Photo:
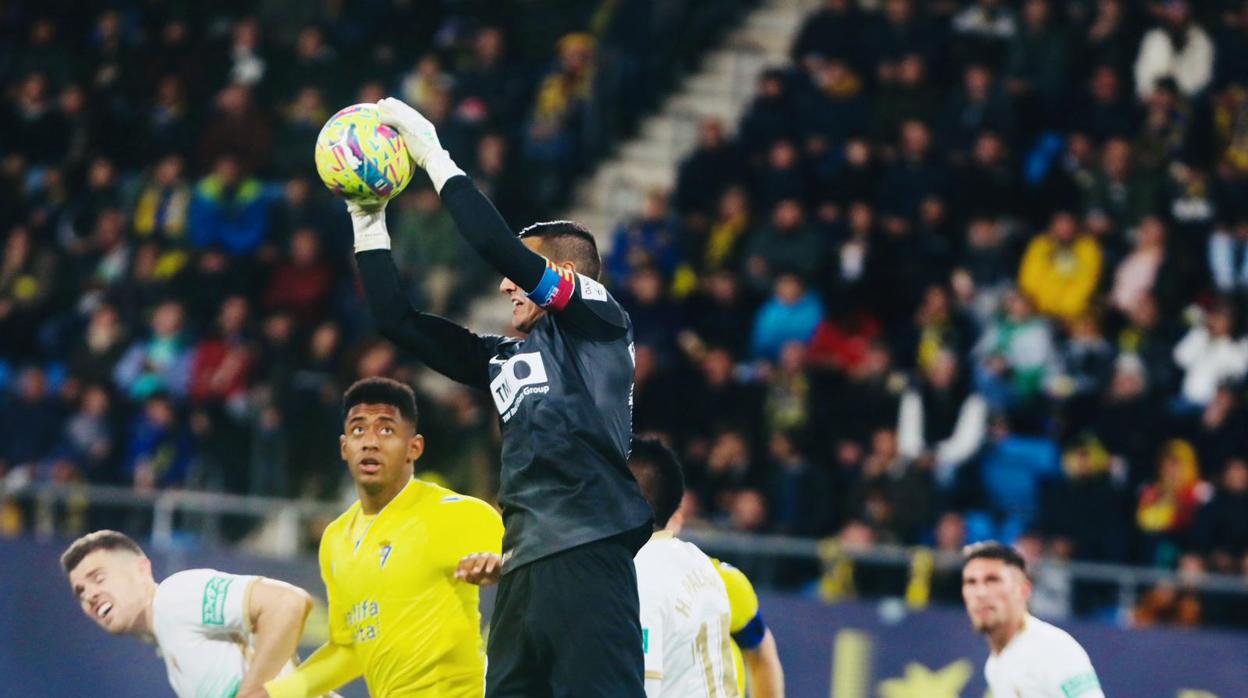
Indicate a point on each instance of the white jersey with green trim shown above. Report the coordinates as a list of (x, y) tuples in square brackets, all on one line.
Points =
[(685, 622), (1042, 661), (203, 631)]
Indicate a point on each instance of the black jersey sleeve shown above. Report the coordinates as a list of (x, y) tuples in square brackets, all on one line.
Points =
[(444, 346), (554, 288)]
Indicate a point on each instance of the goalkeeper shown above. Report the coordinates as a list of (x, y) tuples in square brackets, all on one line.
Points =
[(566, 617)]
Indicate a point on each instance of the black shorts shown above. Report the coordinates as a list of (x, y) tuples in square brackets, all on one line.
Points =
[(569, 625)]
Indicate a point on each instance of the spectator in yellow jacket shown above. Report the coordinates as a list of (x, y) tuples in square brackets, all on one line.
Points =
[(1061, 268)]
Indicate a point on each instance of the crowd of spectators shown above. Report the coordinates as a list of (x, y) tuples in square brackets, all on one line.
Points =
[(971, 266), (178, 301), (963, 269)]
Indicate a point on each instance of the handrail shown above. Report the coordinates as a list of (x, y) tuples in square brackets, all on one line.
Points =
[(165, 503), (728, 542)]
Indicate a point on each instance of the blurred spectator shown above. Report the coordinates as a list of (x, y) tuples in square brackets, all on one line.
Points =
[(1144, 270), (1015, 354), (102, 346), (1179, 49), (1086, 507), (787, 244), (798, 490), (1105, 111), (160, 447), (910, 97), (940, 419), (553, 137), (1228, 258), (1209, 354), (229, 210), (490, 77), (300, 283), (237, 128), (832, 31), (984, 29), (163, 204), (1119, 196), (770, 117), (30, 424), (223, 360), (791, 314), (427, 248), (1015, 469), (1167, 507), (712, 167), (1036, 64), (90, 438), (425, 83), (27, 274), (1109, 38), (160, 362), (1222, 523), (645, 241), (656, 318), (1061, 268), (1172, 604)]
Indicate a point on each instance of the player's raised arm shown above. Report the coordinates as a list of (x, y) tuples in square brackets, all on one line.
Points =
[(444, 346), (554, 280), (276, 611)]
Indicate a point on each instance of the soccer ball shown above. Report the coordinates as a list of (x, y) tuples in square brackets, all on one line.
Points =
[(361, 159)]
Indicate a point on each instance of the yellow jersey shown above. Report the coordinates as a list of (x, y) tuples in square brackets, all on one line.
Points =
[(745, 623), (393, 598)]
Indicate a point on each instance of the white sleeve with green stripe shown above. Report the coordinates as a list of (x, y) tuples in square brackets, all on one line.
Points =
[(203, 629)]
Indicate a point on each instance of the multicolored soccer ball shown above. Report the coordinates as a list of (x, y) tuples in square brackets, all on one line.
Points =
[(361, 159)]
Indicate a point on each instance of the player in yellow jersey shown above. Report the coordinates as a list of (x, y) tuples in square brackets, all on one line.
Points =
[(753, 646), (400, 567)]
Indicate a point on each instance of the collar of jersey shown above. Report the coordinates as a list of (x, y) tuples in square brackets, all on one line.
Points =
[(403, 500)]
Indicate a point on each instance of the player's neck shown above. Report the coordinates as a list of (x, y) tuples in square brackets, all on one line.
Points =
[(145, 624), (372, 503), (1000, 639)]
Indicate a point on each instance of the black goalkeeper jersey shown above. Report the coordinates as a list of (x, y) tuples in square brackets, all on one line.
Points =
[(563, 394)]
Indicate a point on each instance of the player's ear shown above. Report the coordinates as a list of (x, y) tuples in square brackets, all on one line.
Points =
[(415, 447), (145, 566), (569, 265), (342, 446)]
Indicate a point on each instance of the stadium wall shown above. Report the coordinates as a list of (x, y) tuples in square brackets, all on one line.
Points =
[(847, 650)]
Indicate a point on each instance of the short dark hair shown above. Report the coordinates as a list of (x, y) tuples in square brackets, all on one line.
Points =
[(381, 391), (993, 550), (97, 540), (568, 241), (660, 476)]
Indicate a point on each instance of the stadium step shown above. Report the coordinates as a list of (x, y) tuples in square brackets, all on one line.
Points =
[(722, 89)]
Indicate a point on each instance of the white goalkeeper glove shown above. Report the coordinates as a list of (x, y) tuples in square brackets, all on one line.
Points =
[(421, 139), (369, 224)]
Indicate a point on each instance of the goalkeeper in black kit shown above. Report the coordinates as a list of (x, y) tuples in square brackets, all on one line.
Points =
[(565, 620)]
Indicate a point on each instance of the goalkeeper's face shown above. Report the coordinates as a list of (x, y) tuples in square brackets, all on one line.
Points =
[(109, 586), (995, 593), (379, 446), (524, 312)]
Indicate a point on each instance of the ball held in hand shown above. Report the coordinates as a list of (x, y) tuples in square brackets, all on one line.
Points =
[(361, 159)]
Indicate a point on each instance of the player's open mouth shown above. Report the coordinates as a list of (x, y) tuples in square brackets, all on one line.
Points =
[(103, 610), (370, 466)]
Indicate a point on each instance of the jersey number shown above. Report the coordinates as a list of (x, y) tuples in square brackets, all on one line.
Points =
[(702, 648)]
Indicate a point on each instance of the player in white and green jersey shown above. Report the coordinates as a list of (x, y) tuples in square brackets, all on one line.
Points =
[(220, 634)]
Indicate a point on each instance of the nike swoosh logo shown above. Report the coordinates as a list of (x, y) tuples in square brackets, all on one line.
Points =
[(497, 360)]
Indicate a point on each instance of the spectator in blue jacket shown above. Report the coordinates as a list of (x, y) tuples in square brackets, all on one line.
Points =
[(791, 314)]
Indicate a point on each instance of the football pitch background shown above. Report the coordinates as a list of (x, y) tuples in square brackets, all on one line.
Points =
[(847, 650)]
